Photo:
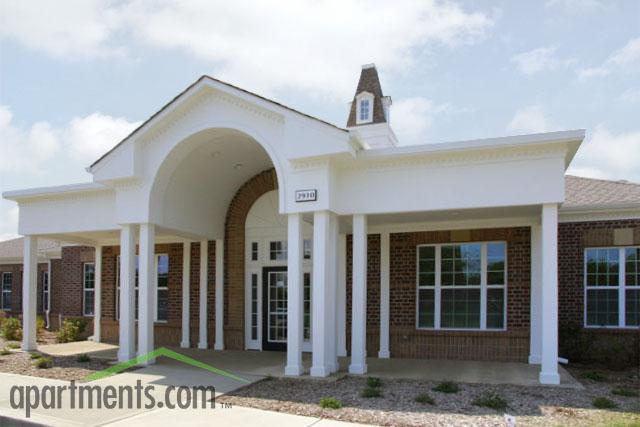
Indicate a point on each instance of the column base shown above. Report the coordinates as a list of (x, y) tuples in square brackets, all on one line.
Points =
[(358, 369), (218, 346), (202, 345), (384, 354), (123, 356), (342, 352), (149, 362), (549, 378), (29, 346), (535, 359), (293, 371), (184, 344), (320, 371)]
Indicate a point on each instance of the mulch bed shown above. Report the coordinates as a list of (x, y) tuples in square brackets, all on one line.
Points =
[(64, 368), (535, 406)]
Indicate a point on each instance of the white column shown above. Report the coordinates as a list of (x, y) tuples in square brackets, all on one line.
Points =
[(97, 294), (146, 289), (341, 304), (29, 292), (219, 344), (332, 293), (549, 242), (321, 277), (48, 312), (127, 292), (535, 336), (359, 300), (383, 353), (204, 247), (295, 282), (186, 288)]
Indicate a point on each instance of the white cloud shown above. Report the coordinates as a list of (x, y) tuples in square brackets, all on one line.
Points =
[(25, 150), (69, 29), (305, 45), (539, 59), (529, 119), (631, 95), (92, 136), (8, 220), (609, 155), (628, 55), (412, 117)]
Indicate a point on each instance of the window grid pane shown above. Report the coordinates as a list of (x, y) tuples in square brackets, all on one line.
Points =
[(460, 265), (495, 308), (602, 307), (602, 267), (460, 308), (632, 307), (632, 266)]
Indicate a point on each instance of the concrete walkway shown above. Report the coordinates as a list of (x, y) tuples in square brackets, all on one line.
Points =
[(257, 364)]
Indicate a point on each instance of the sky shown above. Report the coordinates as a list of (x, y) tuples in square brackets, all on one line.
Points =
[(76, 76)]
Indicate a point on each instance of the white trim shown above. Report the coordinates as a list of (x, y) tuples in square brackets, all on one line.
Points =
[(364, 96), (447, 225), (483, 287), (5, 273), (85, 289), (621, 288)]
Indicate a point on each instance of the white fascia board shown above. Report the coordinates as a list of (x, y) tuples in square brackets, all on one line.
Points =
[(611, 212), (569, 136), (61, 190)]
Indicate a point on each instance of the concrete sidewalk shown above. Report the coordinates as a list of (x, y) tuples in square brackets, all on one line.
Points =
[(65, 416)]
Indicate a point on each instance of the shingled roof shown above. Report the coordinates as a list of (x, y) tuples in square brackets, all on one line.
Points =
[(13, 249), (369, 82), (581, 192)]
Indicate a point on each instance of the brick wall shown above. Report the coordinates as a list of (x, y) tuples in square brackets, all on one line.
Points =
[(405, 339), (573, 238), (235, 252), (16, 286)]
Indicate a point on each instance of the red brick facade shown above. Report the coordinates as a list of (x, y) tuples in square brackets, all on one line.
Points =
[(406, 340)]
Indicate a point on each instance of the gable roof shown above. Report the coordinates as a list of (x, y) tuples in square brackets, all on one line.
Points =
[(591, 192), (369, 82), (204, 78), (13, 249)]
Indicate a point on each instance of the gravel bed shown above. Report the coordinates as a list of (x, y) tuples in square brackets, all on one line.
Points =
[(531, 406), (64, 368)]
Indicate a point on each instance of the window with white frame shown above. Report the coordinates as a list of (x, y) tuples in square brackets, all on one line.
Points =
[(278, 250), (612, 287), (254, 251), (365, 110), (45, 291), (461, 286), (7, 282), (162, 288), (88, 288)]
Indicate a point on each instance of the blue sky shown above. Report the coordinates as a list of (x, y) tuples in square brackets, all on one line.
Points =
[(77, 76)]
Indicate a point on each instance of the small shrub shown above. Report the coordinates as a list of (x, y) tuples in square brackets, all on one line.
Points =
[(35, 355), (13, 345), (330, 403), (447, 387), (369, 392), (491, 400), (594, 376), (39, 325), (425, 398), (604, 403), (11, 329), (44, 363), (5, 351), (71, 330), (626, 392), (374, 382), (83, 358)]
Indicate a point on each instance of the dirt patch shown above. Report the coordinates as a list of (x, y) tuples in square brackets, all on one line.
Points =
[(531, 406), (63, 368)]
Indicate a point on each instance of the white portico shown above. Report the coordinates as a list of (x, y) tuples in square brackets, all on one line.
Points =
[(176, 179)]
